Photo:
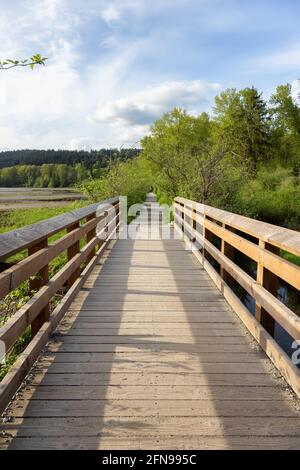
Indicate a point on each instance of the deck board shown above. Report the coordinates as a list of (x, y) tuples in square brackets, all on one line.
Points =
[(150, 355)]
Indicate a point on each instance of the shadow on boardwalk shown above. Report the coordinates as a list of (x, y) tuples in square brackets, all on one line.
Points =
[(150, 356)]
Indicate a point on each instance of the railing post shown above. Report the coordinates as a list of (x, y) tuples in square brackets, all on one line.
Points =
[(89, 236), (194, 223), (41, 278), (228, 251), (208, 235), (117, 216), (102, 240), (72, 251), (182, 220), (270, 282)]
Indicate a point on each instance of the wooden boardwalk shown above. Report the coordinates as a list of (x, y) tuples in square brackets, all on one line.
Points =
[(151, 356)]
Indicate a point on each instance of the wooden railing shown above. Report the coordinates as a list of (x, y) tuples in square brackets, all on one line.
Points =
[(214, 236), (95, 224)]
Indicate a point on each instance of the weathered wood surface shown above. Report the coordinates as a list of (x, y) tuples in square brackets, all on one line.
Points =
[(20, 239), (150, 355), (215, 236)]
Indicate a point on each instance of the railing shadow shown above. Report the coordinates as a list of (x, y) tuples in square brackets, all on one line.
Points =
[(102, 384)]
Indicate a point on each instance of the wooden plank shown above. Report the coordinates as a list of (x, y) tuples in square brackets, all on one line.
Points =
[(149, 325), (40, 279), (141, 392), (189, 359), (287, 271), (173, 367), (115, 408), (281, 313), (271, 283), (153, 426), (87, 316), (283, 238), (55, 366), (280, 359), (15, 326), (20, 239), (154, 442), (153, 340), (89, 346), (136, 378), (90, 236), (13, 379), (13, 276), (73, 250), (150, 306), (157, 332)]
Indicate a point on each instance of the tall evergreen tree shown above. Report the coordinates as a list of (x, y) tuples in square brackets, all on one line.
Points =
[(243, 124), (286, 126)]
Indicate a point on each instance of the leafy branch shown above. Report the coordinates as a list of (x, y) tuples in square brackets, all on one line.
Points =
[(32, 62)]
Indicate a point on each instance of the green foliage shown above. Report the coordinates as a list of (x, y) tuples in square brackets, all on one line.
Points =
[(273, 196), (290, 257), (185, 158), (286, 128), (131, 179), (56, 169), (92, 161), (242, 123), (8, 307), (18, 348), (44, 176), (13, 301), (31, 63), (245, 159), (10, 220), (17, 218)]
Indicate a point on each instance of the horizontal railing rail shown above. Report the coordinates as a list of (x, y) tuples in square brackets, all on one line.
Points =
[(214, 236), (94, 225)]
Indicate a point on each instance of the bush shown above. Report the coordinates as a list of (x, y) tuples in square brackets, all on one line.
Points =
[(131, 179), (273, 196)]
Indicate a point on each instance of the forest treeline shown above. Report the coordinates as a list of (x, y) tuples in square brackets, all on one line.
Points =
[(43, 176), (56, 168), (243, 157)]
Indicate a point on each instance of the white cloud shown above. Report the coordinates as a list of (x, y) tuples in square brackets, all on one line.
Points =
[(111, 14), (296, 91), (85, 143), (98, 87), (147, 105), (287, 59), (50, 106), (130, 117)]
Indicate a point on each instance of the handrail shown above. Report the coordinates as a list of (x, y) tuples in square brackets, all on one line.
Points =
[(280, 237), (96, 224), (20, 239), (201, 225)]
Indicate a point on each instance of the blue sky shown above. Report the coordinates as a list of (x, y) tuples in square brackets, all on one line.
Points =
[(115, 66)]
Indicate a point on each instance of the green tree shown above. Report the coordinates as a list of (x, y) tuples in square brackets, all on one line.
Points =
[(242, 123), (286, 126), (131, 178), (173, 148)]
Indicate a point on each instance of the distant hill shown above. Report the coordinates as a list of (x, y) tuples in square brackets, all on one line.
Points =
[(92, 159)]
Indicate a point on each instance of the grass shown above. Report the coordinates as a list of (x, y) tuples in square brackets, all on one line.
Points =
[(11, 220), (17, 218), (290, 257), (16, 351)]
